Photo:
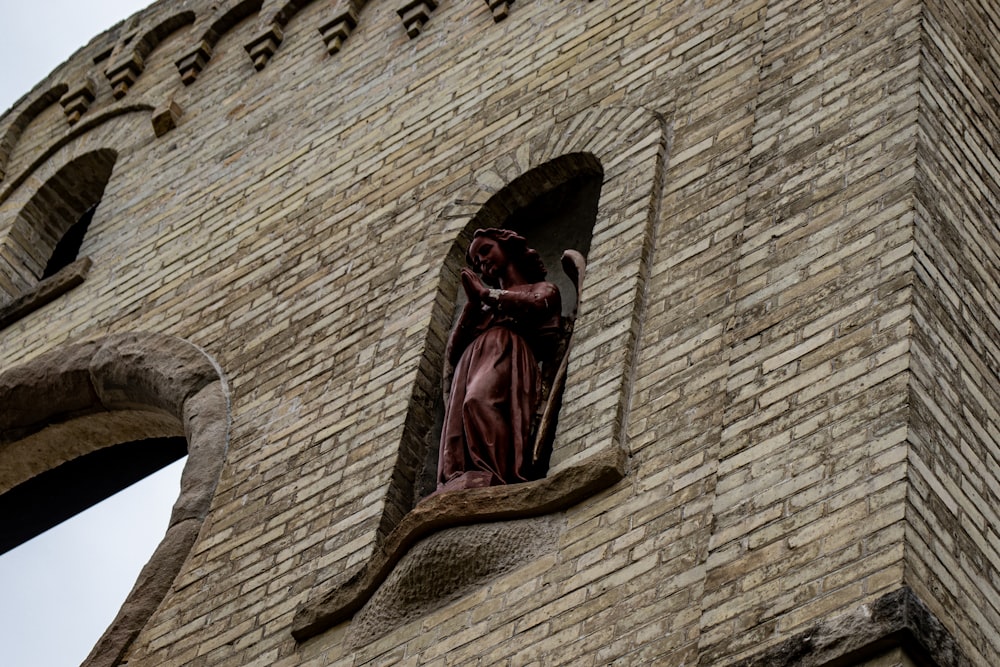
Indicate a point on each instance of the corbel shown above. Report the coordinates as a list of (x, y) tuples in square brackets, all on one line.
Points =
[(124, 72), (500, 9), (264, 45), (77, 100), (165, 118), (415, 14), (335, 32), (190, 66)]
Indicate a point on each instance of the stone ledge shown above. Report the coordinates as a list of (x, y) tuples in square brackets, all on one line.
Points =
[(897, 619), (45, 291), (560, 491)]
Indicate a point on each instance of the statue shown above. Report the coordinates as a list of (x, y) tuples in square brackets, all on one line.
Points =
[(511, 323)]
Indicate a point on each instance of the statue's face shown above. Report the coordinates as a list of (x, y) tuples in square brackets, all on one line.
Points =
[(488, 257)]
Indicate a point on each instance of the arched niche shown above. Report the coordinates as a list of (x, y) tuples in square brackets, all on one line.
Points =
[(84, 398), (44, 220), (554, 206), (589, 451)]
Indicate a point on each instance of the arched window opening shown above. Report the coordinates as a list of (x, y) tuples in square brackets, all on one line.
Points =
[(68, 247), (75, 576), (48, 235), (80, 422), (60, 493)]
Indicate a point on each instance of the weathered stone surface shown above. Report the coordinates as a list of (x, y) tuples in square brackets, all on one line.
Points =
[(895, 619), (447, 565), (144, 369), (147, 594), (206, 426), (27, 391), (545, 496)]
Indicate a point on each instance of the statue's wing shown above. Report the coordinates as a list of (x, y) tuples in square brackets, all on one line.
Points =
[(574, 265)]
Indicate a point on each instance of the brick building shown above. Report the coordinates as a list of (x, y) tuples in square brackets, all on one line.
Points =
[(779, 441)]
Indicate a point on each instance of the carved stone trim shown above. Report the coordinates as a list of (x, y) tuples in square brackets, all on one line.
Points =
[(554, 493), (336, 32), (264, 45), (427, 577), (415, 14), (45, 292), (897, 619), (76, 102)]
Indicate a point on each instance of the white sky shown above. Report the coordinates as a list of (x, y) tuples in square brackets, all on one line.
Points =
[(59, 591), (62, 589), (41, 34)]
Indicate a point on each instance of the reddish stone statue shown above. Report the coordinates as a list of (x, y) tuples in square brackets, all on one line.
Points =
[(510, 323)]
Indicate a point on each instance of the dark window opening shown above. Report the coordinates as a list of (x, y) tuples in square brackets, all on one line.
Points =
[(50, 498), (68, 247)]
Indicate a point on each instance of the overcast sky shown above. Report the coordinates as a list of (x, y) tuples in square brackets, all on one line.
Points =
[(40, 34), (59, 591)]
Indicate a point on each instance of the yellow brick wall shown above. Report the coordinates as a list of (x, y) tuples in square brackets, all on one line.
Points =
[(787, 327)]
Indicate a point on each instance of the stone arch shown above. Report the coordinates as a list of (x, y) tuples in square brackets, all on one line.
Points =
[(630, 146), (49, 214), (80, 398), (123, 73), (16, 128)]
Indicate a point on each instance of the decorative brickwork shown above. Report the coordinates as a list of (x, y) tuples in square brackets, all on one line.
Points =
[(415, 14), (77, 100), (191, 64), (16, 126), (338, 29), (784, 367), (500, 9)]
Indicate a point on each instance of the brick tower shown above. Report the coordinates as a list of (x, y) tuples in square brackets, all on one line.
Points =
[(778, 442)]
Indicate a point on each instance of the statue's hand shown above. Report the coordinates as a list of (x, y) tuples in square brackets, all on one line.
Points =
[(473, 286)]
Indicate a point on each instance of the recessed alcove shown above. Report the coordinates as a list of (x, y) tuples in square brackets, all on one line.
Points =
[(554, 206), (619, 154), (65, 202)]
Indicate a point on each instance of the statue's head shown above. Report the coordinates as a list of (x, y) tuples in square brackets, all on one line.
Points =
[(490, 259)]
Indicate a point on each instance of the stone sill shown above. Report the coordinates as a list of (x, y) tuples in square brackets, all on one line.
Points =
[(333, 603), (45, 292)]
